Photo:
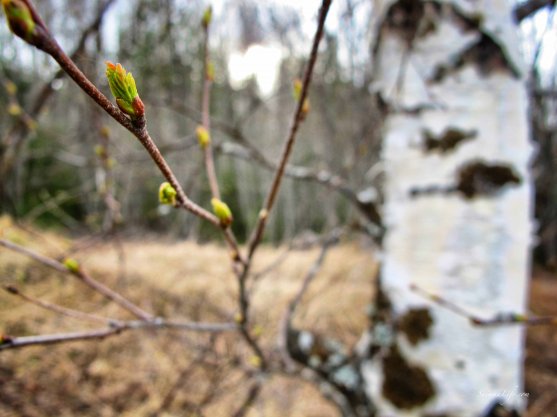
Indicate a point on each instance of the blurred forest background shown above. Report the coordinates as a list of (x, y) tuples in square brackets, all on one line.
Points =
[(66, 167), (52, 175)]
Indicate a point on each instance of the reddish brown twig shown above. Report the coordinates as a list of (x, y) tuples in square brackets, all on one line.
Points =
[(243, 298), (291, 139)]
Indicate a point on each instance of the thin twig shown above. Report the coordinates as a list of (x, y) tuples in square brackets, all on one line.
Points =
[(250, 399), (9, 342), (82, 275), (291, 139), (286, 324), (503, 319), (205, 112), (34, 255), (68, 312)]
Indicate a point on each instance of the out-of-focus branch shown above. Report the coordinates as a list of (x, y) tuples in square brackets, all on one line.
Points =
[(16, 135), (78, 272), (68, 312), (9, 342), (208, 74), (246, 151), (286, 325), (250, 399), (242, 148), (502, 319)]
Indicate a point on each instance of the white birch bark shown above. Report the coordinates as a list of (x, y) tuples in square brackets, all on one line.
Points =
[(471, 251)]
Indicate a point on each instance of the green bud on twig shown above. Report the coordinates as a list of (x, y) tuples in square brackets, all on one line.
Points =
[(100, 151), (123, 88), (167, 194), (11, 88), (297, 89), (210, 71), (255, 361), (222, 211), (203, 136), (14, 109), (20, 19), (72, 265), (297, 93), (207, 16)]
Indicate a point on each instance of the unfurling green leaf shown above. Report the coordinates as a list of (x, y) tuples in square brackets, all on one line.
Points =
[(123, 88), (20, 19), (167, 194), (222, 211)]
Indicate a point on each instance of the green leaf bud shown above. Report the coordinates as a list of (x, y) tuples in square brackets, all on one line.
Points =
[(207, 17), (222, 211), (203, 136), (167, 194), (72, 265), (20, 19)]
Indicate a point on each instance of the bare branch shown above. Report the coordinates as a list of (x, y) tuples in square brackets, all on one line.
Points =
[(246, 151), (205, 100), (250, 399), (50, 339), (34, 255), (502, 319), (83, 276), (68, 312), (9, 342), (286, 324), (289, 144)]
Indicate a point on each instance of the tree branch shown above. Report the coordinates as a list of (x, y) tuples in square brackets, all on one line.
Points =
[(83, 276), (9, 342), (291, 139), (502, 319), (68, 312)]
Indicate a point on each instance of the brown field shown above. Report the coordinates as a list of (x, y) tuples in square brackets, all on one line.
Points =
[(165, 373)]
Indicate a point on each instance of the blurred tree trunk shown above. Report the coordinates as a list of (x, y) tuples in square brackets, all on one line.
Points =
[(457, 209)]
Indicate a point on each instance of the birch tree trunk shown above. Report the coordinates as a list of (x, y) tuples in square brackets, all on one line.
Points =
[(457, 211)]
